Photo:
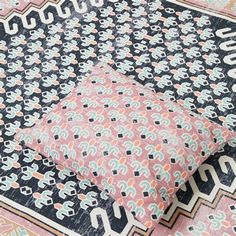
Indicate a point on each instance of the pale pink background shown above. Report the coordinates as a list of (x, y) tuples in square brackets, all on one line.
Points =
[(21, 222), (7, 5), (201, 220), (227, 7)]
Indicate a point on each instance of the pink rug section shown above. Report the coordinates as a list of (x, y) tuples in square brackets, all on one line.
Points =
[(226, 7), (11, 224), (207, 221), (6, 6)]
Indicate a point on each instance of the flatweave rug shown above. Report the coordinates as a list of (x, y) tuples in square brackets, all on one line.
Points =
[(46, 45)]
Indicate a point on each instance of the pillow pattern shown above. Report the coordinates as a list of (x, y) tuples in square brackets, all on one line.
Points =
[(134, 144)]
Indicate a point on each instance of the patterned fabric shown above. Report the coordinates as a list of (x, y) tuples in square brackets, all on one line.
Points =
[(207, 221), (27, 91), (137, 146)]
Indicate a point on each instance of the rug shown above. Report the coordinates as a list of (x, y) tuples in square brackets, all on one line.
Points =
[(167, 46), (224, 7)]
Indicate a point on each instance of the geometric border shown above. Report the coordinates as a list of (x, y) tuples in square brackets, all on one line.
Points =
[(138, 232), (38, 218), (47, 19), (35, 5), (55, 228), (196, 6), (30, 219), (207, 11), (220, 194), (199, 201), (134, 231), (223, 13)]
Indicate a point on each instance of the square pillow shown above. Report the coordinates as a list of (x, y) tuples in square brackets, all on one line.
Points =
[(134, 144)]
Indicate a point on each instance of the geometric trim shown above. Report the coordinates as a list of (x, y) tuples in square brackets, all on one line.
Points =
[(138, 232), (35, 5), (25, 216), (135, 231), (222, 12), (27, 213), (82, 7), (47, 18), (203, 10), (199, 197), (220, 194), (59, 230)]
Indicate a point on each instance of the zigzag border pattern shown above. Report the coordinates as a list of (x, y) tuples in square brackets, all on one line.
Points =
[(133, 227), (209, 9), (66, 12), (204, 10), (199, 198), (30, 5), (49, 17), (220, 194)]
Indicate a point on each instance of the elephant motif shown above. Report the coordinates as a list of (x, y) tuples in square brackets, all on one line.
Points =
[(43, 199), (184, 15), (174, 45), (64, 209), (202, 21), (149, 188), (157, 210), (15, 52), (199, 80), (118, 166), (72, 34), (54, 40), (18, 40), (136, 207), (203, 96), (55, 28), (208, 45), (224, 104), (187, 28), (183, 88), (164, 81), (13, 96), (37, 34), (97, 167), (208, 112), (11, 128), (12, 81), (176, 156), (7, 182), (88, 200), (127, 188), (140, 168), (132, 147), (180, 178), (10, 162), (67, 189), (12, 112), (220, 88)]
